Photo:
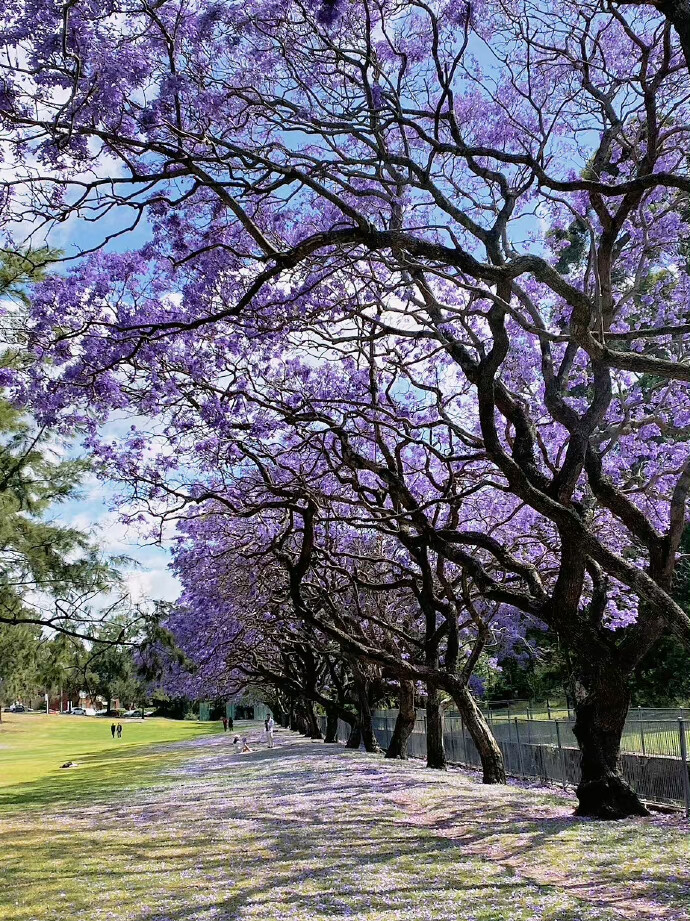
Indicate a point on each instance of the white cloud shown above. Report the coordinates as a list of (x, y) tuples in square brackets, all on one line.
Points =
[(157, 584)]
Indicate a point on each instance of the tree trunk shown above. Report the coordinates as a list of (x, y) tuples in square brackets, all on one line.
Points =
[(602, 698), (371, 743), (366, 728), (404, 724), (314, 728), (435, 752), (331, 725), (301, 723), (354, 740), (490, 754)]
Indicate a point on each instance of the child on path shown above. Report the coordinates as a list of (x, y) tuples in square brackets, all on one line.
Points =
[(241, 748)]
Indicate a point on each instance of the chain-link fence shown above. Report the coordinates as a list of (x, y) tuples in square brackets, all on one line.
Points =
[(654, 757), (551, 708)]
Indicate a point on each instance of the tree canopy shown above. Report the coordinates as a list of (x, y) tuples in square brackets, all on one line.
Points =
[(395, 298)]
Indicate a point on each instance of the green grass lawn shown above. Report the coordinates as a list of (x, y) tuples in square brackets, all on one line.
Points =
[(34, 746), (175, 826)]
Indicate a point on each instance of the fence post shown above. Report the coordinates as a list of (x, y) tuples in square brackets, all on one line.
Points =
[(519, 748), (684, 764), (560, 748), (464, 741), (644, 752), (548, 708)]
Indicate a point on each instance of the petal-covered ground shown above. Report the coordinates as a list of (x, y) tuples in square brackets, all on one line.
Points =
[(308, 831)]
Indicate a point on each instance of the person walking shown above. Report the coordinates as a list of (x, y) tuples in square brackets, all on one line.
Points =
[(225, 724), (112, 729), (230, 724), (269, 730), (119, 730)]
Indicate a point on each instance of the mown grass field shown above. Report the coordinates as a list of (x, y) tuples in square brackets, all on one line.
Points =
[(34, 746), (184, 829)]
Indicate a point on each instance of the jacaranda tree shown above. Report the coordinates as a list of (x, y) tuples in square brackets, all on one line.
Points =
[(499, 188)]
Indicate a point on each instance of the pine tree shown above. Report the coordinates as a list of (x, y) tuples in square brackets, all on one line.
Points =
[(49, 573)]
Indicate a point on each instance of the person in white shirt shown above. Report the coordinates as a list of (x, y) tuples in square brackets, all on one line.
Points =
[(269, 730)]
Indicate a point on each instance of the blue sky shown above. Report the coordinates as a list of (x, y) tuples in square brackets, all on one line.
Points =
[(93, 511)]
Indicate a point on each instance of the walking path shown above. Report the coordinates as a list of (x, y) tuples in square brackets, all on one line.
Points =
[(308, 832)]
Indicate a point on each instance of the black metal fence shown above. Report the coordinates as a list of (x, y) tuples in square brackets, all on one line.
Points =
[(654, 757)]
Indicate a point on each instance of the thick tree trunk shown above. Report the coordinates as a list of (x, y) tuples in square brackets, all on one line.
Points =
[(364, 709), (404, 723), (331, 725), (301, 723), (493, 769), (354, 740), (312, 722), (435, 752), (368, 735), (602, 698)]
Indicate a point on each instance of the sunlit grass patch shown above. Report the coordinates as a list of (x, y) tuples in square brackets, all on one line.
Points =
[(33, 747)]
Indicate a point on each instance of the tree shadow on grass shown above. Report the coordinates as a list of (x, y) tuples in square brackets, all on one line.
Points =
[(309, 832)]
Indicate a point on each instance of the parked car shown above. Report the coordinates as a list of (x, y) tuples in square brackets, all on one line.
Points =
[(78, 711), (16, 708), (133, 714)]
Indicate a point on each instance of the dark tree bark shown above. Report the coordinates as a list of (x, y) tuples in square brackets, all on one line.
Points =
[(314, 730), (331, 725), (602, 698), (368, 737), (354, 740), (600, 665), (678, 14), (493, 769), (301, 723), (435, 752), (404, 724)]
